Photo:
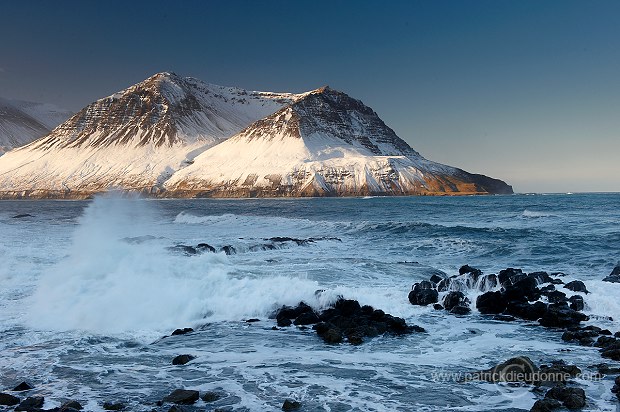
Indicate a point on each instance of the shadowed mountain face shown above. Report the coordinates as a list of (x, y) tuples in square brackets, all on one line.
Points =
[(22, 122), (180, 137)]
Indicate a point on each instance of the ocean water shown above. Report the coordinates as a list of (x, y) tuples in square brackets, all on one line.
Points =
[(88, 290)]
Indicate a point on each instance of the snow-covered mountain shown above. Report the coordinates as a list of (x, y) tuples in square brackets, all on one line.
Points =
[(135, 139), (180, 137), (323, 144), (22, 122)]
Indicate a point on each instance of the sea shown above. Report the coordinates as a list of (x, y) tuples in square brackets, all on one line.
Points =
[(90, 292)]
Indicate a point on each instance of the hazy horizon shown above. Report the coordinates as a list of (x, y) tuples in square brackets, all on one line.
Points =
[(527, 92)]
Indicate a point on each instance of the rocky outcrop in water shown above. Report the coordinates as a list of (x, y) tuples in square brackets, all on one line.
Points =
[(345, 321)]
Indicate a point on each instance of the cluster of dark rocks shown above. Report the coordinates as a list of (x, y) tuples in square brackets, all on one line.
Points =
[(273, 243), (33, 403), (614, 276), (345, 320), (518, 296)]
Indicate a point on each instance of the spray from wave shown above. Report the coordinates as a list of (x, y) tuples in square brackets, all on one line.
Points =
[(107, 284)]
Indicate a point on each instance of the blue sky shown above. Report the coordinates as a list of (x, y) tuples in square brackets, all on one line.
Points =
[(526, 91)]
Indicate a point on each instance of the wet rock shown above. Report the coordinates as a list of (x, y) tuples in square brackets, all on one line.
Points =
[(205, 247), (606, 369), (491, 303), (470, 270), (23, 386), (184, 249), (308, 318), (284, 322), (524, 289), (290, 405), (526, 310), (114, 406), (182, 359), (444, 284), (229, 250), (460, 310), (423, 293), (614, 276), (253, 320), (176, 408), (616, 388), (211, 396), (571, 398), (519, 369), (605, 341), (32, 402), (453, 299), (488, 282), (576, 303), (183, 331), (556, 297), (561, 316), (582, 336), (556, 373), (510, 276), (8, 400), (611, 351), (541, 277), (545, 290), (21, 216), (182, 397), (436, 279), (437, 306), (546, 405), (576, 286), (71, 405)]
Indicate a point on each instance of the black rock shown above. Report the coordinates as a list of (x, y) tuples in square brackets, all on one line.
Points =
[(347, 307), (183, 331), (229, 250), (556, 296), (614, 276), (436, 279), (509, 276), (182, 359), (571, 398), (205, 247), (113, 406), (444, 284), (504, 318), (253, 320), (290, 405), (611, 351), (460, 310), (24, 386), (557, 372), (182, 397), (453, 299), (284, 322), (584, 337), (488, 282), (576, 303), (470, 270), (210, 396), (561, 316), (32, 402), (524, 289), (519, 369), (546, 405), (546, 289), (187, 250), (20, 216), (308, 318), (541, 277), (8, 400), (71, 405), (576, 286), (423, 294), (491, 303), (526, 310), (437, 306)]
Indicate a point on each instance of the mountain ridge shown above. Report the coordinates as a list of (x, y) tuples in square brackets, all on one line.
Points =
[(169, 136)]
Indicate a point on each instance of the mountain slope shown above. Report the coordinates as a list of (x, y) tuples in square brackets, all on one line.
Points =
[(22, 122), (134, 139), (323, 144)]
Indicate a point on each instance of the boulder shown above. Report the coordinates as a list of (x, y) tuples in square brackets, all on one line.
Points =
[(229, 250), (205, 247), (526, 310), (71, 405), (519, 369), (23, 386), (182, 397), (541, 277), (308, 318), (546, 405), (113, 406), (509, 276), (423, 293), (182, 359), (460, 310), (614, 276), (491, 303), (576, 303), (32, 402), (453, 299), (183, 331), (576, 286), (571, 398), (8, 400), (522, 290), (611, 351), (290, 405), (561, 316)]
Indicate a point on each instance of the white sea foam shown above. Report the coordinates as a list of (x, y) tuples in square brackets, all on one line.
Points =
[(533, 214), (108, 285)]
